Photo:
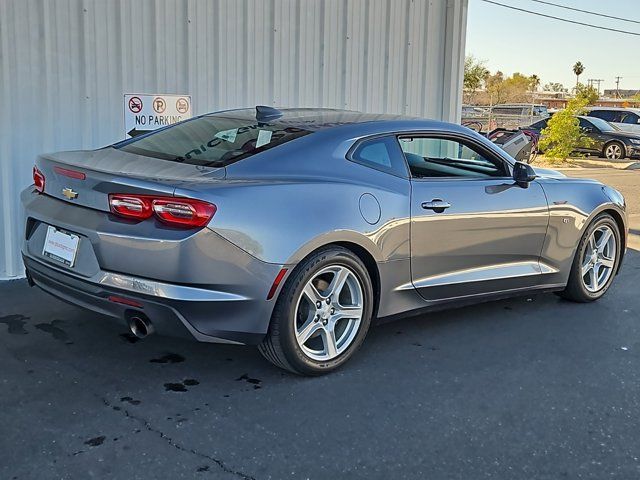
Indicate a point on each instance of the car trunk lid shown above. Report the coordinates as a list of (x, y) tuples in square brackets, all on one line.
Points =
[(86, 178)]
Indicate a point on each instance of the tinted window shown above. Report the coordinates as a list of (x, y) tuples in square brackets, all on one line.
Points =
[(608, 115), (542, 124), (382, 154), (439, 157), (540, 110), (213, 141), (631, 118), (597, 123)]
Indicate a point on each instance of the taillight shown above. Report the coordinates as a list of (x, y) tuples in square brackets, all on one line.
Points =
[(131, 206), (178, 212), (38, 179), (183, 211)]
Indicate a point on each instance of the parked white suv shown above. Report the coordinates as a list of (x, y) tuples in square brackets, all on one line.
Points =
[(627, 119)]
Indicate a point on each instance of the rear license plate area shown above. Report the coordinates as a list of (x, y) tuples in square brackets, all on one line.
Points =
[(61, 246)]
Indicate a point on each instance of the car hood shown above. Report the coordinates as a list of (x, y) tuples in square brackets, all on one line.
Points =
[(548, 173)]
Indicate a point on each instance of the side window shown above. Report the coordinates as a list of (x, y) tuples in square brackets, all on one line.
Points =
[(440, 157), (631, 118), (586, 125), (540, 125), (382, 154), (608, 115), (616, 117)]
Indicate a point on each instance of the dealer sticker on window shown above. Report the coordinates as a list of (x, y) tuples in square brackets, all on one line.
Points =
[(61, 246)]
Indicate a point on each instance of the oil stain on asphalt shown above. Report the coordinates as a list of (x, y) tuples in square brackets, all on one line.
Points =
[(54, 329), (181, 386), (96, 441), (169, 358), (15, 324), (253, 381)]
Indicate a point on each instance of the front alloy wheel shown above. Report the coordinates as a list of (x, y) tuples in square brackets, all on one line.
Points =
[(595, 262), (599, 258), (614, 151), (322, 313)]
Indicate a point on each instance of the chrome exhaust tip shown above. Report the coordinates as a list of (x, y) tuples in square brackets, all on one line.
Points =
[(140, 326)]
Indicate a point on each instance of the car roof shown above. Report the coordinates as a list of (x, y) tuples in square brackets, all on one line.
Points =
[(617, 109), (309, 118), (349, 122)]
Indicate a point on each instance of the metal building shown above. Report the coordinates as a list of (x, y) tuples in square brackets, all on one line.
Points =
[(65, 65)]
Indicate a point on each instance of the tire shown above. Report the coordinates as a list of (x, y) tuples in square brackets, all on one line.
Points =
[(587, 288), (295, 315), (614, 151)]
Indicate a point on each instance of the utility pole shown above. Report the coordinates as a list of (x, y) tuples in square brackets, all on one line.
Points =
[(593, 81), (618, 86)]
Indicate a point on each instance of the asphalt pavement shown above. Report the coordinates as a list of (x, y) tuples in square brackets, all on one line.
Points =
[(528, 388)]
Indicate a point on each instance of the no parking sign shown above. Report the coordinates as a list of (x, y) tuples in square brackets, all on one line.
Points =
[(144, 113)]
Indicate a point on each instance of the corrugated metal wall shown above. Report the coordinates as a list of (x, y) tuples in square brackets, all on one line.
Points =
[(65, 65)]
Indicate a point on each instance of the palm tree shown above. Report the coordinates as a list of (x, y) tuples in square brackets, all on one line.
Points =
[(535, 82), (578, 68)]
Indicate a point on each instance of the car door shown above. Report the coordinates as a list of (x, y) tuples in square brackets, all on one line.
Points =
[(598, 138), (473, 230), (630, 122)]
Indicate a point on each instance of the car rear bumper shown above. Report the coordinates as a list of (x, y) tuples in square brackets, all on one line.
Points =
[(225, 301)]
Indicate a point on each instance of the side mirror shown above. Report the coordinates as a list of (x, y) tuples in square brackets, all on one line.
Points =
[(523, 174)]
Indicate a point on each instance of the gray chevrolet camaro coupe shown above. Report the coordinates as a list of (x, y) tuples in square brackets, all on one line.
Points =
[(292, 229)]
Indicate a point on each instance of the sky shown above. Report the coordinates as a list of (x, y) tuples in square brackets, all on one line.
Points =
[(512, 41)]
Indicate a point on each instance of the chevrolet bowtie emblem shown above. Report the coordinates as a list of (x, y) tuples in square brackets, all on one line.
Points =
[(70, 194)]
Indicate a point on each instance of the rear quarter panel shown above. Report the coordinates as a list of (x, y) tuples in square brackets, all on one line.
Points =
[(283, 220)]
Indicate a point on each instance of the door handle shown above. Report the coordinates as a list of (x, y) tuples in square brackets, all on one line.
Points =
[(436, 205)]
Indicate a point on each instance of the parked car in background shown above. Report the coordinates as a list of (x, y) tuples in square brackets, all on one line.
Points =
[(626, 119), (293, 229), (608, 140), (521, 109)]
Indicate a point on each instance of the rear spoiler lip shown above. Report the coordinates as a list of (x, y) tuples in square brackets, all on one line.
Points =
[(197, 175)]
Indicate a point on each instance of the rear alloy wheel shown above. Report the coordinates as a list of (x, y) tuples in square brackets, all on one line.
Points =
[(596, 261), (614, 151), (322, 314), (329, 313)]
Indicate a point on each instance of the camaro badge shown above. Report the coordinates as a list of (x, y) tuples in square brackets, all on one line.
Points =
[(70, 194)]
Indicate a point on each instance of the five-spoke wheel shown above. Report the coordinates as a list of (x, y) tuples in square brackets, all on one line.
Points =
[(595, 262), (322, 314), (599, 258), (329, 312)]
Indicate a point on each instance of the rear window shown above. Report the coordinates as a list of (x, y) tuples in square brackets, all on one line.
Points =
[(213, 141)]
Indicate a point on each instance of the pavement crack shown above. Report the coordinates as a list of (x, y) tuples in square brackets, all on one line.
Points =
[(144, 422)]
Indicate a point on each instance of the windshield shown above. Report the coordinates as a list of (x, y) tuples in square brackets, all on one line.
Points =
[(213, 141), (603, 125)]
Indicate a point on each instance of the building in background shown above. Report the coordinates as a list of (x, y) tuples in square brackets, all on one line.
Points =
[(66, 65), (615, 93)]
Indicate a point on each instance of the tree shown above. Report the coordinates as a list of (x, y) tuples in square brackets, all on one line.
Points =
[(588, 93), (534, 80), (475, 74), (563, 135), (555, 87), (578, 69), (495, 87)]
